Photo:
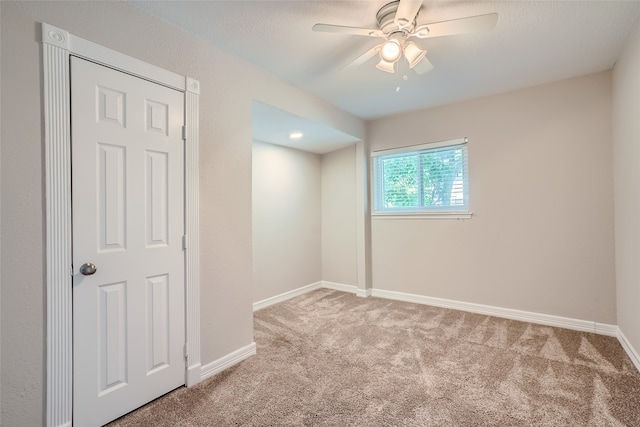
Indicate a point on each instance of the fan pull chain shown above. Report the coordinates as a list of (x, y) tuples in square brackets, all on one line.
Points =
[(404, 78)]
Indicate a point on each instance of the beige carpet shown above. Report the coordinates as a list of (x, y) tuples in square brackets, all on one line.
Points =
[(329, 358)]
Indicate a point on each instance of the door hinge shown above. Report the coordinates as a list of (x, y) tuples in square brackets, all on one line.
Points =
[(71, 271), (184, 242), (184, 133), (186, 353)]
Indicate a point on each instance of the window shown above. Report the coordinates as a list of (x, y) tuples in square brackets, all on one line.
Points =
[(429, 178)]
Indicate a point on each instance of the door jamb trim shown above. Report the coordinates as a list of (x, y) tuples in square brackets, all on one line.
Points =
[(57, 46)]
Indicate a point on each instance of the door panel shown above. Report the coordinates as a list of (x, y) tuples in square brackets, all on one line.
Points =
[(157, 198), (158, 335), (112, 204), (128, 220), (112, 350)]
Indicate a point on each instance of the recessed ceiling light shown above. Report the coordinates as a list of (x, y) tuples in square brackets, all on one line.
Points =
[(295, 135)]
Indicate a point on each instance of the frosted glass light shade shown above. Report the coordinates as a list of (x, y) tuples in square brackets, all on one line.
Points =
[(413, 54), (387, 66), (390, 51)]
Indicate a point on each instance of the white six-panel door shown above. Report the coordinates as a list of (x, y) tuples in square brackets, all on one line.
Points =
[(128, 221)]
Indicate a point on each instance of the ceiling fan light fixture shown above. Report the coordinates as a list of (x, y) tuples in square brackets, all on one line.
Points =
[(396, 24), (390, 51), (387, 66), (413, 54)]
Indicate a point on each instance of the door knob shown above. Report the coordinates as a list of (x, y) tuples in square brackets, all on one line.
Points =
[(88, 269)]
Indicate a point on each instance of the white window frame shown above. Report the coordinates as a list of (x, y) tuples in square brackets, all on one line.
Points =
[(447, 212)]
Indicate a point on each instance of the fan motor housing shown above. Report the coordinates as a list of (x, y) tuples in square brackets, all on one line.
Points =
[(386, 19)]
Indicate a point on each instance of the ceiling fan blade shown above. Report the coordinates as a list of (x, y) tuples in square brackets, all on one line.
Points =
[(407, 11), (423, 66), (472, 24), (362, 58), (339, 29)]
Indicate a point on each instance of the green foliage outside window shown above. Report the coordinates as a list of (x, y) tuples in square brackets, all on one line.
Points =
[(401, 182), (439, 171)]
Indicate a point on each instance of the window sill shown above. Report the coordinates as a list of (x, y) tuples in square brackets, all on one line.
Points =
[(422, 215)]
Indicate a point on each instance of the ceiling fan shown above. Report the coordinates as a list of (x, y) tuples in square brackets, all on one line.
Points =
[(397, 25)]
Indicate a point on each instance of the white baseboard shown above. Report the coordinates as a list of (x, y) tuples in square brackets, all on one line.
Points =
[(507, 313), (235, 357), (285, 296), (605, 329), (194, 375), (631, 352), (339, 287), (364, 293), (303, 290)]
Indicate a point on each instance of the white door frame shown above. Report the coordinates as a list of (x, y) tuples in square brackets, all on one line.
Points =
[(57, 46)]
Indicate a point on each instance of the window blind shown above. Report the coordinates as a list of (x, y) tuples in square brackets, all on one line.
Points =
[(423, 178)]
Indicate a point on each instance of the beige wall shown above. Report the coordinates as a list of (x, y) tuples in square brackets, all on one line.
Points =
[(339, 236), (1, 411), (304, 223), (228, 86), (304, 208), (286, 220), (541, 237), (626, 166), (22, 322)]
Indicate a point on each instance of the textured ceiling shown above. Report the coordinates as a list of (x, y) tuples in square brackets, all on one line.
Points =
[(534, 42), (274, 126)]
